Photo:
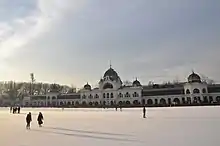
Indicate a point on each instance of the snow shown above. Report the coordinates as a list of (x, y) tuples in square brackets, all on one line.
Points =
[(176, 126)]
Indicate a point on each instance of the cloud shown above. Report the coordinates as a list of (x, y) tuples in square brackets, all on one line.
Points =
[(73, 41)]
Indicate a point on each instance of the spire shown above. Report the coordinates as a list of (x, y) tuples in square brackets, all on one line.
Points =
[(110, 64)]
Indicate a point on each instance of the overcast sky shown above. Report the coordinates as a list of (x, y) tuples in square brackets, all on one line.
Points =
[(73, 41)]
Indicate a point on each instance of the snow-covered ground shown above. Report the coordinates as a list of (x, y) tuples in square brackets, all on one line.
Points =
[(185, 126)]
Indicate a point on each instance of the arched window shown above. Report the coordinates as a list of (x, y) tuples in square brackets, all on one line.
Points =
[(53, 98), (96, 96), (183, 100), (112, 95), (90, 96), (84, 97), (107, 95), (218, 99), (135, 94), (108, 86), (127, 94), (196, 91), (176, 101), (203, 90), (135, 102), (149, 101), (103, 95), (187, 91), (96, 103), (128, 102), (120, 95), (162, 101)]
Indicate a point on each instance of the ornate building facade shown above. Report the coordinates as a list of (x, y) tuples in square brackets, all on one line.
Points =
[(112, 93)]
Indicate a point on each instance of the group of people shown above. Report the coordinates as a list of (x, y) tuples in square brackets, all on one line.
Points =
[(29, 120), (15, 109)]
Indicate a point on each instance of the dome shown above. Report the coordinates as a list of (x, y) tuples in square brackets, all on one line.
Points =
[(194, 78), (87, 87), (54, 88), (112, 74), (136, 83)]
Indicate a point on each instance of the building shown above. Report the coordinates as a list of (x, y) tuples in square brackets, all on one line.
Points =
[(111, 93)]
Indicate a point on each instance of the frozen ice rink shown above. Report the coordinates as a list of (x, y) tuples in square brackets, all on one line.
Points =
[(184, 126)]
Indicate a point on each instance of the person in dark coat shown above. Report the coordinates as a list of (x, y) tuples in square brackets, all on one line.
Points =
[(40, 119), (19, 108), (28, 120), (144, 112)]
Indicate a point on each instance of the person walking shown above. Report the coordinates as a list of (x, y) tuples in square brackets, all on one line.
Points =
[(28, 120), (144, 112), (40, 119)]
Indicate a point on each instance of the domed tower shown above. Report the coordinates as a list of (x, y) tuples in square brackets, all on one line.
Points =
[(195, 85), (87, 87), (54, 88), (136, 83), (110, 80), (194, 78)]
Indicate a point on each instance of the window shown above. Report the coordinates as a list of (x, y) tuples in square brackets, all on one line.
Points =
[(112, 95), (84, 97), (203, 90), (187, 91), (135, 94), (96, 96), (103, 95), (120, 95), (127, 94), (107, 95), (196, 91), (90, 96)]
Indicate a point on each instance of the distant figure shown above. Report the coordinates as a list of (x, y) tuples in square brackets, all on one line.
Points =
[(19, 108), (40, 119), (28, 120), (116, 108), (10, 109), (144, 112), (14, 110)]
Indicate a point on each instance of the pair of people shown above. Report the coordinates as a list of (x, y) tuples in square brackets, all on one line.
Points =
[(29, 119)]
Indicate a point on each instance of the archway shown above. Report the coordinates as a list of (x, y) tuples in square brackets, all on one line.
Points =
[(96, 103), (61, 103), (83, 103), (90, 103), (169, 101), (108, 86), (77, 103), (120, 102), (183, 100), (218, 99), (112, 102), (196, 91), (135, 102), (162, 101), (187, 91), (176, 101), (128, 102), (150, 101), (143, 101)]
